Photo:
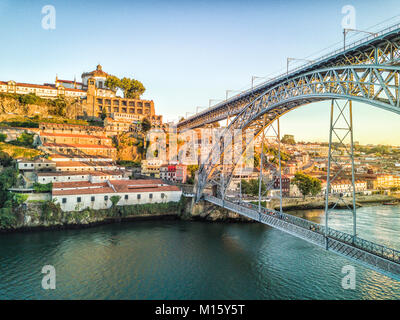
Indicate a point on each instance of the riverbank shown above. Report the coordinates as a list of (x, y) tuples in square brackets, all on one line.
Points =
[(290, 204), (42, 216), (45, 215)]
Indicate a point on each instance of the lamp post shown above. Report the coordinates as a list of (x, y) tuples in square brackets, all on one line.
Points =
[(211, 100), (347, 30), (254, 78), (294, 59)]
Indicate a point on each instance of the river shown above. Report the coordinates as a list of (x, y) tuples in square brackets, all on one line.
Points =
[(194, 260)]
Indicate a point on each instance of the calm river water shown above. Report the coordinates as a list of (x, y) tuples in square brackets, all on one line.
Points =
[(193, 260)]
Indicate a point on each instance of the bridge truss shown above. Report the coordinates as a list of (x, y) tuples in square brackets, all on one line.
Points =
[(368, 73)]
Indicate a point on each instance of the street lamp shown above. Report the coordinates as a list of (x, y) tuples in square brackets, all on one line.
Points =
[(197, 109), (347, 30), (294, 59), (227, 92), (211, 100), (254, 78)]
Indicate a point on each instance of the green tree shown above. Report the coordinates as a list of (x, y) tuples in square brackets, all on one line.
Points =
[(251, 187), (131, 88), (146, 125), (3, 137), (113, 83), (103, 113), (288, 139), (307, 184), (24, 139), (39, 187), (5, 159)]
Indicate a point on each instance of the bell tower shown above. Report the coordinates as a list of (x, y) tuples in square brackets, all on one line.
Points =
[(91, 96)]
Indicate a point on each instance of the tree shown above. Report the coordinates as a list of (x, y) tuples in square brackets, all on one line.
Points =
[(5, 159), (131, 88), (114, 201), (146, 125), (251, 187), (103, 114), (113, 83), (3, 137), (307, 184), (288, 139)]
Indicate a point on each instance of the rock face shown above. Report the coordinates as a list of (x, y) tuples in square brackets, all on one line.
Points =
[(9, 105), (210, 212)]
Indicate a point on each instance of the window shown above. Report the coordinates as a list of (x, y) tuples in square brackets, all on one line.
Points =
[(79, 199), (64, 200), (150, 196), (162, 195), (105, 198), (92, 198), (126, 197), (138, 196)]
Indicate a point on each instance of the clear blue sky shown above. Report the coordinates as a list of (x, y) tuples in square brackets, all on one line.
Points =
[(186, 52)]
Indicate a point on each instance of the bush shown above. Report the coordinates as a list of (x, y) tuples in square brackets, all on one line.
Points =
[(5, 159), (24, 140), (3, 137), (29, 98), (39, 188), (7, 218)]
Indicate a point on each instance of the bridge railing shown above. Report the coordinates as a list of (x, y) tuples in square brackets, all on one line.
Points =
[(308, 64), (369, 246)]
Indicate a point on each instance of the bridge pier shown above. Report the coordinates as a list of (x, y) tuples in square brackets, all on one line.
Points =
[(341, 127)]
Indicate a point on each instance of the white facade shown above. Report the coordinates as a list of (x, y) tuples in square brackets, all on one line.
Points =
[(94, 177), (99, 197)]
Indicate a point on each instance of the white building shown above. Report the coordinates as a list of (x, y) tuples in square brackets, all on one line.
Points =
[(41, 164), (92, 176), (76, 196)]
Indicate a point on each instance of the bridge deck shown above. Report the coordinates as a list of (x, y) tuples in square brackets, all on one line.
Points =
[(374, 256), (332, 58)]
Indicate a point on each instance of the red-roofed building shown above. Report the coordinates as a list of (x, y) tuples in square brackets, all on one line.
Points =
[(76, 196)]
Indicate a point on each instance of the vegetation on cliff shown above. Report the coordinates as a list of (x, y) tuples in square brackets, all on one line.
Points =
[(49, 213)]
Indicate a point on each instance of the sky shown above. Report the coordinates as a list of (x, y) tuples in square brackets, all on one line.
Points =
[(187, 52)]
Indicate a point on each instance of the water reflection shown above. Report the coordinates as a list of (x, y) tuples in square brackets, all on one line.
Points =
[(194, 260)]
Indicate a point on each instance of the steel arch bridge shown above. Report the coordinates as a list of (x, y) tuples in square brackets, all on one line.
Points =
[(368, 72), (370, 84)]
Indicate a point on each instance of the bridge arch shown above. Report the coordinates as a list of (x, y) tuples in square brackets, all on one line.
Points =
[(376, 85)]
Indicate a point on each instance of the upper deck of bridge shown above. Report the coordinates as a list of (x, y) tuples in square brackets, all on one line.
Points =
[(327, 60)]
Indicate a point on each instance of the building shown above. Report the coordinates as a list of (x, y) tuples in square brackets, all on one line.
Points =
[(151, 168), (93, 94), (75, 140), (174, 172), (386, 181), (344, 186), (43, 91), (41, 164), (89, 176), (285, 185), (76, 196)]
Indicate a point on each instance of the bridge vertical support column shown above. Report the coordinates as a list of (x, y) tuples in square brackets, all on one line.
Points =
[(341, 128), (280, 165), (260, 180)]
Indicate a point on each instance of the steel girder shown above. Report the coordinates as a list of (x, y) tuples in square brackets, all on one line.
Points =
[(383, 50), (371, 255), (376, 85)]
